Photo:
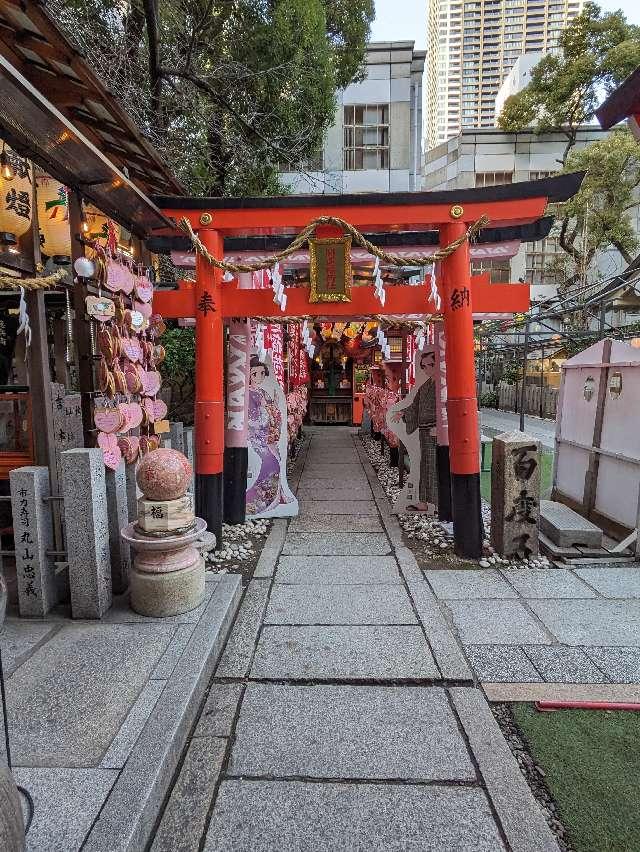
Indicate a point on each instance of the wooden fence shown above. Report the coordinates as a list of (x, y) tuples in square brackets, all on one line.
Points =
[(542, 402)]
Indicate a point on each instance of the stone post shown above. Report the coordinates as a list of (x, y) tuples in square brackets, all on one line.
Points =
[(132, 491), (117, 507), (515, 495), (177, 436), (87, 528), (188, 437), (33, 534)]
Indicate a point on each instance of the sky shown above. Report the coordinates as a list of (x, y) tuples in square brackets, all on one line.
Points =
[(406, 20)]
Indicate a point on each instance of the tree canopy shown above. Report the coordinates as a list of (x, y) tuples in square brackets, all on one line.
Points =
[(595, 53), (226, 89)]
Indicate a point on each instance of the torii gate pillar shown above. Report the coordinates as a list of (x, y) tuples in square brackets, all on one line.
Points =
[(209, 407), (462, 404)]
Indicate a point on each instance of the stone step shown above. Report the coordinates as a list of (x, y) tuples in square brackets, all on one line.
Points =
[(567, 528)]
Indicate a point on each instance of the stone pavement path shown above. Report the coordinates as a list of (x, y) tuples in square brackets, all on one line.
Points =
[(343, 714)]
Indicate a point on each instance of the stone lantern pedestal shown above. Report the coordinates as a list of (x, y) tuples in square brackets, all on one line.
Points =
[(168, 571)]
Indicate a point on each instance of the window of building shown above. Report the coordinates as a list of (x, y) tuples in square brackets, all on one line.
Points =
[(499, 269), (538, 258), (493, 178), (366, 137)]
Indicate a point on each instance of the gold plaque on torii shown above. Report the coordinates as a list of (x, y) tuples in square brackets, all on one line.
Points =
[(330, 272)]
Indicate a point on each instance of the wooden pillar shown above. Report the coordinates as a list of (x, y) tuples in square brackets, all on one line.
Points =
[(81, 328), (462, 404), (209, 406)]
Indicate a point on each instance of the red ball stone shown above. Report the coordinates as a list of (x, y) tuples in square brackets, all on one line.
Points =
[(164, 474)]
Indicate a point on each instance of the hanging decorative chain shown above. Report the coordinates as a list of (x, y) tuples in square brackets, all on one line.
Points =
[(358, 238)]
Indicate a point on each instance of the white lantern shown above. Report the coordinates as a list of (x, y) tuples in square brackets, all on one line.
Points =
[(53, 217), (16, 196)]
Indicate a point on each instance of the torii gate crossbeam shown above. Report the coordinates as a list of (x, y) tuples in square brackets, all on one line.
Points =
[(450, 212)]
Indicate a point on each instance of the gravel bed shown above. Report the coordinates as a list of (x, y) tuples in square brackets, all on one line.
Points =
[(431, 540), (533, 774)]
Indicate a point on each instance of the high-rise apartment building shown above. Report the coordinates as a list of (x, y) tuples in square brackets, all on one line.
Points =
[(472, 45)]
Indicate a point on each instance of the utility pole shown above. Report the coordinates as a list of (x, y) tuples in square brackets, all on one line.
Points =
[(524, 375)]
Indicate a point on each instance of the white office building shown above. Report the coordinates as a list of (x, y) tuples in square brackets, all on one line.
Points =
[(516, 80), (375, 141)]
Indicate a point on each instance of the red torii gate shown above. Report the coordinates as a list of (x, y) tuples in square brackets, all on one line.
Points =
[(449, 212)]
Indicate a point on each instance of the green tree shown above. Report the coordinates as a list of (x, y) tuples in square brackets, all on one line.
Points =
[(227, 89), (595, 53), (178, 371)]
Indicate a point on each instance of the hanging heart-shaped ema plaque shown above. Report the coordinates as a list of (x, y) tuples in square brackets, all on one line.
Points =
[(155, 409), (108, 420), (144, 288), (151, 383), (129, 447), (110, 450), (135, 321), (132, 349)]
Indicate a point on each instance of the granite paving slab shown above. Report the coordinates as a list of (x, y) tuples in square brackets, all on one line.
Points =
[(67, 702), (620, 665), (292, 815), (594, 622), (558, 664), (613, 582), (184, 818), (318, 470), (522, 820), (343, 653), (366, 604), (19, 639), (67, 801), (219, 711), (338, 544), (236, 657), (126, 738), (321, 490), (547, 583), (463, 585), (337, 507), (445, 648), (313, 522), (339, 570), (489, 622), (498, 663), (368, 732), (310, 481)]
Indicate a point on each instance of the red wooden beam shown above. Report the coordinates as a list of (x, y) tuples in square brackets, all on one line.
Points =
[(402, 299), (245, 221)]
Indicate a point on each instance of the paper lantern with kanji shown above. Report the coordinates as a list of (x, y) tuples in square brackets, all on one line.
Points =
[(53, 217), (16, 196), (98, 224)]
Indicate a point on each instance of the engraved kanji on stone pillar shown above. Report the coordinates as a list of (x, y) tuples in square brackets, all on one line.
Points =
[(515, 495)]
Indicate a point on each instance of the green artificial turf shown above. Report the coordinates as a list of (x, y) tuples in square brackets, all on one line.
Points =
[(591, 761), (546, 474)]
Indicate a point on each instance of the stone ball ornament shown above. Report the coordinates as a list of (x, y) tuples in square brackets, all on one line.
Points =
[(164, 474)]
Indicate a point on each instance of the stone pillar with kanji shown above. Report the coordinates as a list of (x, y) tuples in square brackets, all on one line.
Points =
[(515, 495)]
